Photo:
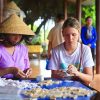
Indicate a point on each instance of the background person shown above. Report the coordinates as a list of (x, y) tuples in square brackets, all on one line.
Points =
[(89, 35), (55, 35), (74, 56), (14, 61)]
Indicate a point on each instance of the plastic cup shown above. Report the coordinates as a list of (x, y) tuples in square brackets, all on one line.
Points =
[(40, 78)]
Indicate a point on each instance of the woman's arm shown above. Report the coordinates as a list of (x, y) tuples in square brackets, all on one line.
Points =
[(12, 70), (49, 49), (86, 76), (4, 71)]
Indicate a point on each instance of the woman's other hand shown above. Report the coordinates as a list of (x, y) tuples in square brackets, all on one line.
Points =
[(28, 72), (72, 70)]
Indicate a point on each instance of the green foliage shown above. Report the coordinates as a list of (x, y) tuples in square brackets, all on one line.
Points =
[(71, 10), (36, 40), (88, 11)]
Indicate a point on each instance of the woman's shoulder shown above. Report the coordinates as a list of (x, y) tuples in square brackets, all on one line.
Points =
[(84, 27), (22, 46), (58, 48), (84, 47), (80, 44)]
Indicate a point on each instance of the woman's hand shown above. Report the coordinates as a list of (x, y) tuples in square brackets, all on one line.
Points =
[(59, 74), (18, 73), (49, 55), (72, 70), (28, 72)]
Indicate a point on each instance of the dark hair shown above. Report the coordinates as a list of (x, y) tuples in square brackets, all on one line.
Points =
[(60, 16), (88, 18), (72, 22), (4, 39)]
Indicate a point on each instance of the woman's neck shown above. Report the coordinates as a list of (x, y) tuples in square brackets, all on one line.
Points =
[(10, 50), (70, 48)]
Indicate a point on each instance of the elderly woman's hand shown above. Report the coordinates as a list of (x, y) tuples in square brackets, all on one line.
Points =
[(17, 72), (72, 70), (28, 72)]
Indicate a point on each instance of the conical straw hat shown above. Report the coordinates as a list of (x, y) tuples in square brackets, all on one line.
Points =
[(12, 6), (14, 25)]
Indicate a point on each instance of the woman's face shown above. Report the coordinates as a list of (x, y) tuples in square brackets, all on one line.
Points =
[(89, 22), (71, 36), (14, 38)]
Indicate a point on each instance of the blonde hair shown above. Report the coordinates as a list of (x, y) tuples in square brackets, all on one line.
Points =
[(72, 22)]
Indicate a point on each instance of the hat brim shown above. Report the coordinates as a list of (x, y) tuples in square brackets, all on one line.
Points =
[(14, 25)]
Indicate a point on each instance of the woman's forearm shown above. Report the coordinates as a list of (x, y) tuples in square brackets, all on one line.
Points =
[(4, 71), (85, 77)]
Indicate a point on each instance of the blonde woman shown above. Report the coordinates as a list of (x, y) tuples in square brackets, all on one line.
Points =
[(72, 56)]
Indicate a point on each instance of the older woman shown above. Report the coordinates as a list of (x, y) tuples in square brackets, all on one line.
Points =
[(71, 55), (14, 61)]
